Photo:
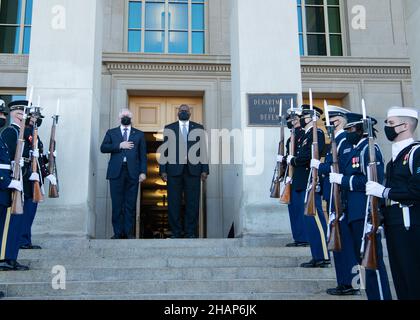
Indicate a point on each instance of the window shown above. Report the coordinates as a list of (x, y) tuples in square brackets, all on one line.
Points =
[(320, 28), (8, 97), (166, 26), (15, 26)]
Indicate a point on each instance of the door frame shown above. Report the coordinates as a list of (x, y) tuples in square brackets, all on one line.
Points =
[(164, 114), (209, 87)]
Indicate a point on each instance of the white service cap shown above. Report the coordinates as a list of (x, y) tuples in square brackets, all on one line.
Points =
[(403, 112)]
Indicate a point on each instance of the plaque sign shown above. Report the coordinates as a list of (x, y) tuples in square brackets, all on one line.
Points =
[(263, 109)]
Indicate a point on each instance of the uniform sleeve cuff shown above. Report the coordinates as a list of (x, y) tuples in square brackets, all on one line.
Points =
[(385, 194)]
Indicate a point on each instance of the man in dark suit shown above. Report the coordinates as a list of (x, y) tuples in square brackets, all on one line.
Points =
[(126, 168), (182, 163)]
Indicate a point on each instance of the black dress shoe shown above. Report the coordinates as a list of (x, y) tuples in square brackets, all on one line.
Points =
[(297, 244), (6, 266), (30, 247), (316, 264), (343, 290), (17, 266)]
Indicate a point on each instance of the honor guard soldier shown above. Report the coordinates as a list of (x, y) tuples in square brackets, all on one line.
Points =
[(10, 224), (296, 219), (402, 194), (31, 153), (315, 226), (353, 179), (344, 260)]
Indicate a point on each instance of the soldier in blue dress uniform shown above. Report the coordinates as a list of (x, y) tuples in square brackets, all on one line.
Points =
[(345, 260), (402, 193), (10, 224), (315, 227), (296, 218), (29, 152), (353, 181)]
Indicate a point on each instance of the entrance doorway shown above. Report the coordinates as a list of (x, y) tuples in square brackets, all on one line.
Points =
[(151, 114)]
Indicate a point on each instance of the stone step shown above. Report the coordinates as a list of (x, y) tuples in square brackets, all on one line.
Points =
[(162, 262), (203, 296), (135, 287), (204, 273), (164, 252), (69, 243)]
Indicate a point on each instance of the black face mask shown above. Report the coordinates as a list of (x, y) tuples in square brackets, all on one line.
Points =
[(2, 122), (183, 115), (289, 125), (38, 122), (126, 121), (390, 132), (353, 137), (303, 123)]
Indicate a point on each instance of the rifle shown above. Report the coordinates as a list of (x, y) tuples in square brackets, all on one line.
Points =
[(286, 187), (17, 199), (310, 209), (369, 255), (37, 196), (52, 166), (336, 210), (279, 171)]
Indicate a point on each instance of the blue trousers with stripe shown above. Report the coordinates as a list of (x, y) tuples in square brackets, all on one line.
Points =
[(315, 228), (296, 217), (10, 231), (29, 211), (345, 260), (372, 288)]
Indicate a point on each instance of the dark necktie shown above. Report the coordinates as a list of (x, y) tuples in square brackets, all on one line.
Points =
[(125, 138), (125, 135)]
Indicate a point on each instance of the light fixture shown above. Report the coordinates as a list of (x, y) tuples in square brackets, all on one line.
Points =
[(158, 136), (159, 182)]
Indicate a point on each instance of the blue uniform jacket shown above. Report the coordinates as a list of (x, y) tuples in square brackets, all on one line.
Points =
[(301, 162), (353, 185), (5, 175), (343, 149)]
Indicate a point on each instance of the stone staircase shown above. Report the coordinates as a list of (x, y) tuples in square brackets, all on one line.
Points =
[(214, 269)]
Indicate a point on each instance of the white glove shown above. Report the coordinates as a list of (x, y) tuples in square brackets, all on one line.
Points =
[(280, 158), (375, 189), (21, 163), (34, 177), (35, 153), (54, 153), (52, 179), (289, 159), (336, 178), (315, 163), (16, 184), (288, 180)]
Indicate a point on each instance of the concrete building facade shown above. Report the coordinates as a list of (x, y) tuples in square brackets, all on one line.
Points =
[(80, 53)]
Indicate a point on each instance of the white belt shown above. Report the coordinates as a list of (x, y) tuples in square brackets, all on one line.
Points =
[(5, 167), (406, 214)]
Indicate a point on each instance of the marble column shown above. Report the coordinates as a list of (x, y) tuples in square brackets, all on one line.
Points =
[(65, 63), (265, 59)]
